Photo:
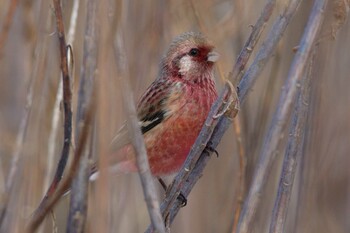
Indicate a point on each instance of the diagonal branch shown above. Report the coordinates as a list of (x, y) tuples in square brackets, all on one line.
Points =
[(148, 186), (280, 117), (258, 28), (40, 214), (67, 103), (267, 48), (292, 155)]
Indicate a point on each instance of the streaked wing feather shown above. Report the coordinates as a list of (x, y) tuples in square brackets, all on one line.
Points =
[(157, 104)]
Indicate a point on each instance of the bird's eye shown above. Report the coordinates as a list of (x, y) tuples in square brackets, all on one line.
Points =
[(194, 52)]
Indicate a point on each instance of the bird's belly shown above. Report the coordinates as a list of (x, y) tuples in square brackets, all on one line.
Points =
[(170, 144)]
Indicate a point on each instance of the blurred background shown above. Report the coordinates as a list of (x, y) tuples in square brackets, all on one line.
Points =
[(29, 81)]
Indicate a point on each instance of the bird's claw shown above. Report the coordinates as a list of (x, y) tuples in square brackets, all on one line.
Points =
[(182, 199), (211, 149)]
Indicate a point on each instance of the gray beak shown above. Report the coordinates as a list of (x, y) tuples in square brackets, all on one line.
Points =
[(213, 56)]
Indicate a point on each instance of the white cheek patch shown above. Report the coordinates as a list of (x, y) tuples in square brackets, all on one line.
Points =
[(185, 64)]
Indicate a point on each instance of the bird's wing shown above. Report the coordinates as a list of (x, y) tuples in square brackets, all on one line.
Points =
[(158, 103)]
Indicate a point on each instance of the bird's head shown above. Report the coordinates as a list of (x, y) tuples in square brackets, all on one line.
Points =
[(190, 55)]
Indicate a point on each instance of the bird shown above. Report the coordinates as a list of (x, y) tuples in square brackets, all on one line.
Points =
[(173, 109)]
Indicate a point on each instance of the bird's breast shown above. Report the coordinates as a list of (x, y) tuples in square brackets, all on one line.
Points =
[(169, 144)]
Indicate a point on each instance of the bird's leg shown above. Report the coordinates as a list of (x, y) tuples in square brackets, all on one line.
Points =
[(163, 184), (181, 197)]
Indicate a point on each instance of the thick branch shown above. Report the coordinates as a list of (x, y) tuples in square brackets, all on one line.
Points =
[(267, 48), (253, 39)]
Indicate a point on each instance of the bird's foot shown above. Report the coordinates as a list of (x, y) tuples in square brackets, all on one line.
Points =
[(211, 149), (182, 199)]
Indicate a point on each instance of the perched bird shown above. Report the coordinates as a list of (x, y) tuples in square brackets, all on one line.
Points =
[(173, 109)]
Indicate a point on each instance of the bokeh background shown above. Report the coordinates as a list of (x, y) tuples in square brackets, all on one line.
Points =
[(29, 79)]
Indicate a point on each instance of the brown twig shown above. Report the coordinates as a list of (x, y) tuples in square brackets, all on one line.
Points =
[(7, 23), (148, 186), (56, 114), (280, 118), (47, 206), (241, 173), (79, 192), (67, 103), (292, 155)]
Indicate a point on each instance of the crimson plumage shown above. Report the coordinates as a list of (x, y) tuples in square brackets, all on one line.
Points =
[(173, 109)]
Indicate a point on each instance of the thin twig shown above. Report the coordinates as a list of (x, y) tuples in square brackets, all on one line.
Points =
[(67, 103), (59, 95), (280, 118), (15, 164), (241, 173), (79, 192), (292, 156), (148, 186), (7, 23), (47, 206)]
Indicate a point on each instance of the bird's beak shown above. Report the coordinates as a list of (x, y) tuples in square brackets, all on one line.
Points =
[(213, 56)]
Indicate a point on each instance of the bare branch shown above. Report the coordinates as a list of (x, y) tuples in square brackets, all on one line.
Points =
[(149, 189), (241, 174), (267, 48), (79, 192), (247, 50), (280, 118), (67, 103), (293, 153), (40, 214), (59, 95)]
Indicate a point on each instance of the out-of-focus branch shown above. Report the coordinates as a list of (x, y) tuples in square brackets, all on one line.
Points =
[(241, 173), (13, 173), (7, 23), (280, 117), (292, 156), (149, 189), (79, 192), (40, 214), (67, 103)]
